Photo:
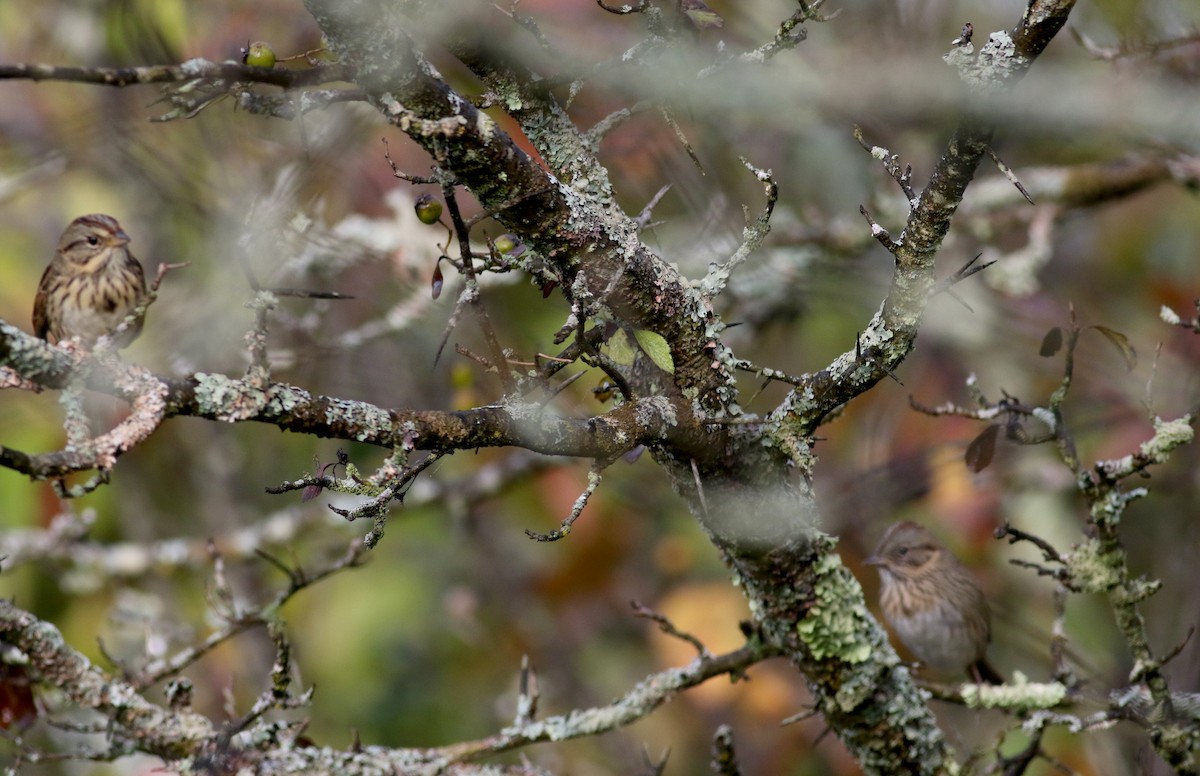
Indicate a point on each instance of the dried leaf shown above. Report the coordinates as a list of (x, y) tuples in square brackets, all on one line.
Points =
[(1121, 343), (982, 449), (310, 492), (1051, 343), (437, 281), (17, 706)]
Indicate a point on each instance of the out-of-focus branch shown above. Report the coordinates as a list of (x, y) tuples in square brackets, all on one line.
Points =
[(135, 724), (1083, 185), (187, 71), (890, 335), (67, 545), (1099, 563), (647, 695)]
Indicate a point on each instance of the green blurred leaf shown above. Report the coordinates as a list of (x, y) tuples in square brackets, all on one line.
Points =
[(621, 349)]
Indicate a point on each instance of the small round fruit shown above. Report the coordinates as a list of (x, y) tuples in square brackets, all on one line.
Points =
[(259, 54), (505, 243), (429, 210)]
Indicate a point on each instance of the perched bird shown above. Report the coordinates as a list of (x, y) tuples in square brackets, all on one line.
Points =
[(91, 285), (933, 603)]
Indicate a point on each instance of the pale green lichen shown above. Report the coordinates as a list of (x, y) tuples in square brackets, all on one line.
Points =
[(1020, 695), (1168, 435), (281, 400), (656, 409), (912, 716), (227, 399), (836, 624), (996, 64), (1092, 569), (369, 421)]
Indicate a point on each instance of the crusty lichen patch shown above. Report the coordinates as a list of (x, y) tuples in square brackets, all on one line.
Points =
[(1092, 569), (838, 626), (1020, 695)]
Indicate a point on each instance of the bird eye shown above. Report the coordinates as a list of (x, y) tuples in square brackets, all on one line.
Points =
[(93, 239), (902, 551)]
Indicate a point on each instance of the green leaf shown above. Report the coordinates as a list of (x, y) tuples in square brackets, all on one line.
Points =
[(621, 349), (655, 346)]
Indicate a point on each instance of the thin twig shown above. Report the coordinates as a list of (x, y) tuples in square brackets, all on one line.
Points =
[(1012, 176), (667, 627), (564, 528), (474, 298)]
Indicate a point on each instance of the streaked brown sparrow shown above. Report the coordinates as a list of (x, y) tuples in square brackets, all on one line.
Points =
[(933, 603), (91, 285)]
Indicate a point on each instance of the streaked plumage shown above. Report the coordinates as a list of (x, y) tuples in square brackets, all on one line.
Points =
[(933, 603), (90, 286)]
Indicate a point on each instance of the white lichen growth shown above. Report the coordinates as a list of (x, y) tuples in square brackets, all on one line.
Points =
[(1018, 695)]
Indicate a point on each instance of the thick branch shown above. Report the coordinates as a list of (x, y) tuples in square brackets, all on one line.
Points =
[(743, 488), (891, 334), (568, 219), (218, 397), (138, 723)]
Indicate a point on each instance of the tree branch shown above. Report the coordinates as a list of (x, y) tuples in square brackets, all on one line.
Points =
[(291, 408)]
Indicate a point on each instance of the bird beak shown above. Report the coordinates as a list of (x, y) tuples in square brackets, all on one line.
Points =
[(119, 238), (874, 560)]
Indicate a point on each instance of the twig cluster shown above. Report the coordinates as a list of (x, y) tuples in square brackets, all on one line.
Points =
[(1099, 562)]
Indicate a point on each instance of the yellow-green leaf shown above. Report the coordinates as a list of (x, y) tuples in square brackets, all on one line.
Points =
[(657, 348), (621, 349)]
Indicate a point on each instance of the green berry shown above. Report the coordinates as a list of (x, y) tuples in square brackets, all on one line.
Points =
[(505, 243), (259, 54), (429, 210)]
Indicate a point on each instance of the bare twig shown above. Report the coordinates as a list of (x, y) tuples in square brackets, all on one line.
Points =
[(161, 669), (647, 695), (667, 627), (878, 232), (1012, 176), (752, 236), (903, 177), (564, 528)]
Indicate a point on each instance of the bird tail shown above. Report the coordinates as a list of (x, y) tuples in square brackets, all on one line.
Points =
[(983, 672)]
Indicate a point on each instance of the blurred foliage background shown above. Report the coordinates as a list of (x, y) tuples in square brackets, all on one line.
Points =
[(423, 645)]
